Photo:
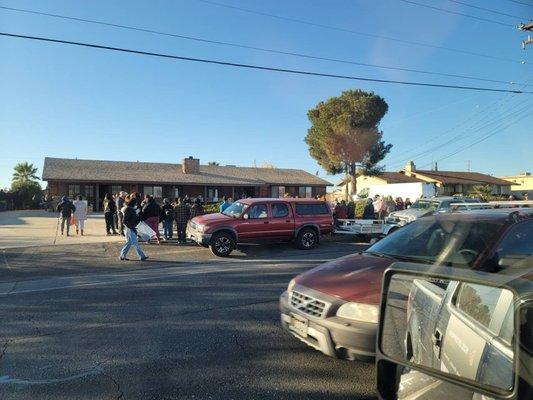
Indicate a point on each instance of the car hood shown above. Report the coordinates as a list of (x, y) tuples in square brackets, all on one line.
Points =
[(210, 218), (356, 277)]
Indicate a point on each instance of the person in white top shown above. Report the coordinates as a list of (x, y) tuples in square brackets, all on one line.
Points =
[(80, 215)]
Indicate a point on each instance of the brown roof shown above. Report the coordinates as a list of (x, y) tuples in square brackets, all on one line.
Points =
[(66, 169), (398, 177), (459, 177)]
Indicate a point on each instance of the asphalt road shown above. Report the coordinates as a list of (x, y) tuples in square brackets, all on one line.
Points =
[(78, 324)]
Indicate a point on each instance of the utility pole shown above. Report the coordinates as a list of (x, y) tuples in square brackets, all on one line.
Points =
[(526, 27), (468, 165)]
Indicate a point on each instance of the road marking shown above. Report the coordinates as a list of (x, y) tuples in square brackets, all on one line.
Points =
[(7, 379)]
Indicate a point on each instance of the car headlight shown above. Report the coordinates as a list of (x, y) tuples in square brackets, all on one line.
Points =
[(201, 228), (291, 285), (359, 312)]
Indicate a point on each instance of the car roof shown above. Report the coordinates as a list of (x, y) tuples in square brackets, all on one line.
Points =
[(286, 199), (486, 214), (441, 198)]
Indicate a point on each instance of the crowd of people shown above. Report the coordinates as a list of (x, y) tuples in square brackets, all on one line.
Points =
[(376, 208)]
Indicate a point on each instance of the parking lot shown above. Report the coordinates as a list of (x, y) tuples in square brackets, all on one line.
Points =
[(79, 324)]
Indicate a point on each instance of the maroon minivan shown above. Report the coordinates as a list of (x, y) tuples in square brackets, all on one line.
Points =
[(256, 220), (334, 307)]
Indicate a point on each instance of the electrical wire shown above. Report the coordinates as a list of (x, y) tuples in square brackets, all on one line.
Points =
[(485, 9), (263, 49), (350, 31), (260, 67), (456, 13)]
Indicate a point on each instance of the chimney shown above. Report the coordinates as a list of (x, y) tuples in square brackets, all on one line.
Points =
[(191, 165), (410, 168)]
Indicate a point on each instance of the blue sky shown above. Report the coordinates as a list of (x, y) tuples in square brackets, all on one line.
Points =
[(64, 101)]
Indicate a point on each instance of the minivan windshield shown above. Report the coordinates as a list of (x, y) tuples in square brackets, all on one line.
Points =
[(235, 210), (456, 242)]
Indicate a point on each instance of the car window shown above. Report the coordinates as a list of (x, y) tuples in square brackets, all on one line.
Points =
[(477, 301), (258, 211), (311, 209), (516, 248), (279, 210)]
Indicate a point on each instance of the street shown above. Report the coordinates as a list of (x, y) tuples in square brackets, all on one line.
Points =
[(78, 324)]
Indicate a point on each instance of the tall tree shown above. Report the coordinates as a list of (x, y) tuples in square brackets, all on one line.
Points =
[(344, 135), (24, 173)]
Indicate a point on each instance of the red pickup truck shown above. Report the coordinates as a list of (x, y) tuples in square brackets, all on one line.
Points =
[(254, 220)]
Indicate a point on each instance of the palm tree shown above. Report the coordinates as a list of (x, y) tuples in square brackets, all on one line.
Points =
[(213, 163), (25, 173), (483, 192)]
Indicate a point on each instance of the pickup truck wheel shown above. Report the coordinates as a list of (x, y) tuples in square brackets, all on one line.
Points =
[(307, 239), (221, 244)]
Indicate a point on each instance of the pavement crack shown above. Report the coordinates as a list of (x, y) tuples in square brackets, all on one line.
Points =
[(120, 394)]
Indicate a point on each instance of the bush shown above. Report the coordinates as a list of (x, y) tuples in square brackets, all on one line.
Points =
[(211, 208), (359, 208)]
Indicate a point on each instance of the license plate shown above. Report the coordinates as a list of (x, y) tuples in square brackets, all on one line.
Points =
[(299, 325)]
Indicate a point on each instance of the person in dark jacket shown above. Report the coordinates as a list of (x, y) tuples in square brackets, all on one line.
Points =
[(350, 210), (369, 212), (131, 220), (197, 208), (119, 202), (182, 214), (150, 214), (66, 208), (167, 217), (110, 209)]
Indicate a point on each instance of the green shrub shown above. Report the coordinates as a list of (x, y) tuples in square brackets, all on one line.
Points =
[(211, 208), (359, 208)]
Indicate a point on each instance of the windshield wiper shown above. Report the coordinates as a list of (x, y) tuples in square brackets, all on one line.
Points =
[(378, 254)]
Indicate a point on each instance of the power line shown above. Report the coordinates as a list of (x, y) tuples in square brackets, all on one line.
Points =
[(263, 49), (350, 31), (260, 67), (456, 13), (521, 2), (485, 9)]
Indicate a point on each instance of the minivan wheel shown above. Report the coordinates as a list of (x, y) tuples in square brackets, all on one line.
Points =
[(222, 244), (307, 239)]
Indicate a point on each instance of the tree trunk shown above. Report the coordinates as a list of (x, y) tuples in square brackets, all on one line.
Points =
[(353, 179)]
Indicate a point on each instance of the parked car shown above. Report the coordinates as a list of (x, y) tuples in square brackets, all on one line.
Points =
[(464, 329), (334, 307), (423, 207), (256, 220)]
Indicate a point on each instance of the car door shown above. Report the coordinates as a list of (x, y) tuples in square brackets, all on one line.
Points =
[(281, 221), (255, 223)]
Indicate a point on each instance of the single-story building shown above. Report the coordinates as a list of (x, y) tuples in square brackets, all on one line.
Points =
[(94, 178), (521, 183)]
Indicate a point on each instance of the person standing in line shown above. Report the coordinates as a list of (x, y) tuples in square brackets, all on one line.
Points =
[(368, 212), (66, 208), (110, 210), (120, 215), (407, 203), (225, 204), (399, 204), (131, 220), (150, 214), (167, 216), (80, 214), (197, 209), (378, 204), (181, 215), (136, 202)]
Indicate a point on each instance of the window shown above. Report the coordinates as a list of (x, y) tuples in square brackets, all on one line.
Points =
[(212, 194), (176, 193), (279, 210), (73, 190), (305, 192), (116, 189), (477, 301), (278, 191), (312, 209), (258, 211), (155, 191), (516, 249), (89, 191)]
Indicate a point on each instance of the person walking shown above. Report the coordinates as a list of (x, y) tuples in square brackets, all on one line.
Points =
[(225, 204), (181, 215), (66, 208), (120, 215), (110, 210), (167, 216), (197, 208), (80, 214), (150, 214), (131, 220)]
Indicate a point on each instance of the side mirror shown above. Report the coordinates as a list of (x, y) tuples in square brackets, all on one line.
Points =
[(245, 216), (448, 333)]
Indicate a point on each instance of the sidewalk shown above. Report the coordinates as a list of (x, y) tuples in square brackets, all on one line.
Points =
[(38, 228)]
